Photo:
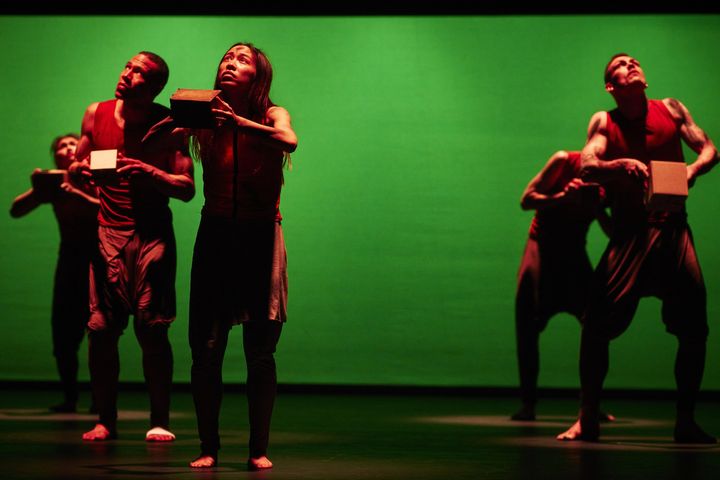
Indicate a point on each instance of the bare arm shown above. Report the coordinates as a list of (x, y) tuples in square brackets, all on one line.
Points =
[(278, 133), (80, 168), (537, 193), (178, 182), (594, 168), (28, 201), (73, 190), (696, 139), (24, 203)]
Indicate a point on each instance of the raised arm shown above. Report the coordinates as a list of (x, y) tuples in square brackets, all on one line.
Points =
[(695, 138), (594, 167), (279, 133)]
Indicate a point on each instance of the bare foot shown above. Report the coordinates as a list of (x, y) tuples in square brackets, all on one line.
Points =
[(571, 434), (204, 461), (259, 463), (587, 433), (159, 434), (690, 432), (99, 434)]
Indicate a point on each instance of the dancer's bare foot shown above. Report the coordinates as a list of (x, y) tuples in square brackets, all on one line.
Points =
[(99, 434), (578, 432), (159, 434), (687, 431), (259, 463), (204, 461), (572, 433)]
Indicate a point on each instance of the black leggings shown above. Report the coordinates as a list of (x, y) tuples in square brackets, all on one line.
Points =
[(70, 311), (208, 341)]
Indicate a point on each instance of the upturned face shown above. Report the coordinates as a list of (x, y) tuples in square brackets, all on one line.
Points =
[(237, 68), (65, 152), (135, 79), (625, 72)]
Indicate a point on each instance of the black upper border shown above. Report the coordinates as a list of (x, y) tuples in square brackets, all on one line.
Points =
[(354, 8)]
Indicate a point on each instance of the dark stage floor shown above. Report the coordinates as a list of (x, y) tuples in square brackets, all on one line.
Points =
[(359, 437)]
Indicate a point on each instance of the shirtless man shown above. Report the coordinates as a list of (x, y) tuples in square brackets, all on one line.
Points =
[(75, 206)]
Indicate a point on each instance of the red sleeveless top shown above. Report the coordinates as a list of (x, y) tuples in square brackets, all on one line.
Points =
[(654, 137), (126, 203)]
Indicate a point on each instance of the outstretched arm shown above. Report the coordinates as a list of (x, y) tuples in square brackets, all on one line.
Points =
[(696, 139), (24, 203), (594, 168)]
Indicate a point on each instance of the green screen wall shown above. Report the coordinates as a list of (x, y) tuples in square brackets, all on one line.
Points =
[(417, 136)]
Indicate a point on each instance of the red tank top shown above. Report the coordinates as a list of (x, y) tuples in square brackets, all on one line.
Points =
[(655, 137), (127, 203), (567, 223)]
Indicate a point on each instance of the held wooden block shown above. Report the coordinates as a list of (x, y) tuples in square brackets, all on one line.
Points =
[(193, 108), (103, 164), (46, 183), (667, 186)]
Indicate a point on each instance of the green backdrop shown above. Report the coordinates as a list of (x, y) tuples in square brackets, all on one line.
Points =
[(417, 136)]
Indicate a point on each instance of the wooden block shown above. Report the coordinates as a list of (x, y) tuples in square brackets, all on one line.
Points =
[(46, 183), (193, 108), (667, 186), (103, 164)]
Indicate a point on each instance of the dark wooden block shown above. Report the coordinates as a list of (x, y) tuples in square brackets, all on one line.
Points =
[(667, 186), (46, 183), (193, 108)]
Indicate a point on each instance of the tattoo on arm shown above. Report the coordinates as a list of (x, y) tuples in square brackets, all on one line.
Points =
[(676, 107), (696, 136)]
